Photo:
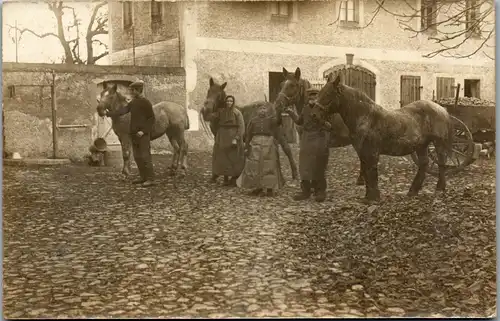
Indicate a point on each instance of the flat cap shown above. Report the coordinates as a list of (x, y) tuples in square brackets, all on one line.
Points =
[(137, 84)]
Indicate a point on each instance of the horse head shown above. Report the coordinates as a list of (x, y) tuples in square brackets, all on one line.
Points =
[(215, 98), (328, 99), (109, 99), (293, 91)]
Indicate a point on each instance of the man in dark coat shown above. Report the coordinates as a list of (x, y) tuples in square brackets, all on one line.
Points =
[(314, 152), (142, 120)]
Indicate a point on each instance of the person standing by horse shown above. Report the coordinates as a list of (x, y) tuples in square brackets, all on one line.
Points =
[(314, 151), (262, 166), (142, 120), (228, 158)]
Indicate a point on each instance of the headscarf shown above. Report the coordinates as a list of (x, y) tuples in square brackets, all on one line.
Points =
[(230, 96)]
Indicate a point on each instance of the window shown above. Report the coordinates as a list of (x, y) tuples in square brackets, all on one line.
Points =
[(156, 12), (410, 89), (12, 91), (127, 14), (281, 9), (471, 88), (428, 13), (445, 87), (472, 14), (349, 11)]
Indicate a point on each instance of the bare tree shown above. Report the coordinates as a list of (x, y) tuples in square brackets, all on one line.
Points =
[(460, 28), (98, 25)]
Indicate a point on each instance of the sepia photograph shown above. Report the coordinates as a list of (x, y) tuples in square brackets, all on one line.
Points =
[(249, 159)]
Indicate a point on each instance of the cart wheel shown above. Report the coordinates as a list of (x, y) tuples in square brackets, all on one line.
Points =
[(463, 150)]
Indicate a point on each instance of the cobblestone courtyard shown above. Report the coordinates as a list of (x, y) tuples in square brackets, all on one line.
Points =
[(82, 241)]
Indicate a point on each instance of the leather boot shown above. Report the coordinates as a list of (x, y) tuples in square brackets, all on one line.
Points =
[(305, 192), (320, 190)]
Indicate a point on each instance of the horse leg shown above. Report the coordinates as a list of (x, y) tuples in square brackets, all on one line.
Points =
[(175, 158), (371, 177), (361, 176), (441, 152), (423, 163), (183, 146), (126, 144), (288, 152)]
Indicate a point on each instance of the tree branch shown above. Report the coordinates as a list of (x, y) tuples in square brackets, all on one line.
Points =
[(23, 30), (452, 25)]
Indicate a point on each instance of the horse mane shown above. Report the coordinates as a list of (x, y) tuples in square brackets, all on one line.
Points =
[(304, 85), (355, 95)]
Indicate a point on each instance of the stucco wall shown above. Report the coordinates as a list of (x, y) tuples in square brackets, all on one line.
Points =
[(247, 74), (230, 20), (28, 118)]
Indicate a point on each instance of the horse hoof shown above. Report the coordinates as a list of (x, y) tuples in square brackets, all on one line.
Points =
[(171, 173), (369, 201), (360, 182), (439, 192), (182, 173), (412, 194)]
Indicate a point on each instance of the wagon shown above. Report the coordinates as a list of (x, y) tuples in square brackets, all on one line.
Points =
[(474, 123)]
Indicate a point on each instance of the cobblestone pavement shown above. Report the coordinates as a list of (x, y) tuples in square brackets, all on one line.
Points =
[(82, 241)]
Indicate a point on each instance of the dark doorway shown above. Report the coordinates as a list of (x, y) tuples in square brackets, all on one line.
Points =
[(275, 79), (471, 88)]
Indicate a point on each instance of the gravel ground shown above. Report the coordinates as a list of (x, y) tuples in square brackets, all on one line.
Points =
[(84, 242)]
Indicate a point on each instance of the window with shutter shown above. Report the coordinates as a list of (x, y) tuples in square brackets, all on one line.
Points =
[(472, 17), (281, 10), (127, 14), (410, 89), (156, 12), (428, 16), (445, 87)]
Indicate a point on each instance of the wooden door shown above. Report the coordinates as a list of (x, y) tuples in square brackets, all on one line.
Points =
[(410, 89), (357, 77)]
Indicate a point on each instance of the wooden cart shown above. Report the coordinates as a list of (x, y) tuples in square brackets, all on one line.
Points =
[(474, 125)]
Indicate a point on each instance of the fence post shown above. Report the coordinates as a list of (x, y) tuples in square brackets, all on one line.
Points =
[(54, 115)]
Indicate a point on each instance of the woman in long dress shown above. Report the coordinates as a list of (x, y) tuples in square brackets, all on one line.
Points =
[(228, 158), (262, 173)]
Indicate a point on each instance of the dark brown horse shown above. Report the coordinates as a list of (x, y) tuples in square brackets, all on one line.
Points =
[(293, 92), (171, 119), (378, 131), (215, 99)]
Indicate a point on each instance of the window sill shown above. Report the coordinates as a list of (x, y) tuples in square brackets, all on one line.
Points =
[(279, 18), (429, 33), (349, 25), (156, 26)]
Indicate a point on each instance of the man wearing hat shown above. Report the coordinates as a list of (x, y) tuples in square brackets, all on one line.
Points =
[(142, 120), (98, 153), (314, 152)]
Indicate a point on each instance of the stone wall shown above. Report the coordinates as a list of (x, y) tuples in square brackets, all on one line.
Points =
[(27, 113)]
